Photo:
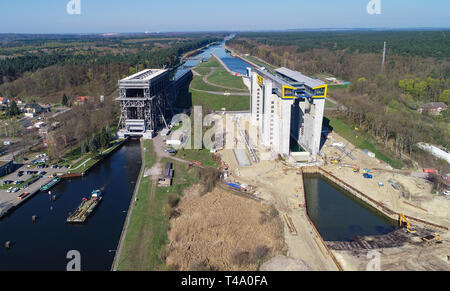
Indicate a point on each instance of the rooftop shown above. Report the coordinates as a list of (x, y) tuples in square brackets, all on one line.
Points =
[(145, 75), (298, 77)]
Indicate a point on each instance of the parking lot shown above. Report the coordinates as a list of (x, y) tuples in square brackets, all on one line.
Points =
[(11, 199)]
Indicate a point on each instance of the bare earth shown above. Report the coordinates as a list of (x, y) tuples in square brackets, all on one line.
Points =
[(214, 229)]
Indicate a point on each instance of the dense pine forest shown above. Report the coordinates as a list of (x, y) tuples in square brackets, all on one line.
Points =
[(84, 62)]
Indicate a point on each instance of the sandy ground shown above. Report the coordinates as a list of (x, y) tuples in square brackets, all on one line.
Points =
[(414, 199), (282, 187), (213, 229)]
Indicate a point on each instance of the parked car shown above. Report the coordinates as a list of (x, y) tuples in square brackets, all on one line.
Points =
[(15, 190), (20, 173), (10, 189), (42, 173)]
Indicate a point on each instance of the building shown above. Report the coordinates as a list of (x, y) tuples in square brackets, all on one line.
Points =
[(6, 167), (146, 100), (288, 110), (31, 110), (434, 108), (80, 100)]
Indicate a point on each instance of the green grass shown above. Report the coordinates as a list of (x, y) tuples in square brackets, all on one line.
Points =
[(223, 78), (212, 62), (203, 156), (197, 83), (329, 104), (336, 87), (216, 102), (89, 160), (203, 70), (363, 141)]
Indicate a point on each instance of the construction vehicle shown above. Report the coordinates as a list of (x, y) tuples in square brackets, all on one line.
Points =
[(432, 238), (404, 221)]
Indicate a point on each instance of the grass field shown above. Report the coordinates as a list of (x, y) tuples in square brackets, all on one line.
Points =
[(220, 76), (223, 78), (216, 102), (363, 141), (146, 237)]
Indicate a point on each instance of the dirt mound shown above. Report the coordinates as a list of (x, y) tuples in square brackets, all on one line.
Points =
[(223, 231)]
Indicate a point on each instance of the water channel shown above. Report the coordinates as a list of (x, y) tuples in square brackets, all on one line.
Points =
[(337, 215)]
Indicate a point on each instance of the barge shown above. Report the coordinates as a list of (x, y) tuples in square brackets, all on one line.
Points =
[(50, 184), (86, 208)]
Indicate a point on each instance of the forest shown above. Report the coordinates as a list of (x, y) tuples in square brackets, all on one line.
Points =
[(57, 68), (382, 101)]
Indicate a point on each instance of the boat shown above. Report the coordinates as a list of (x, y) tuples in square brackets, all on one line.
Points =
[(50, 184), (86, 208)]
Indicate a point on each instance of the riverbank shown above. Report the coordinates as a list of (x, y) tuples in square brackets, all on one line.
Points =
[(85, 164), (146, 235)]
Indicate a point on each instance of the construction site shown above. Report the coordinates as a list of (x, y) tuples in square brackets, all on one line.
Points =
[(270, 154), (420, 220)]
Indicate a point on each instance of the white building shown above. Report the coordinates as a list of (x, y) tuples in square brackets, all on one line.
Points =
[(288, 111)]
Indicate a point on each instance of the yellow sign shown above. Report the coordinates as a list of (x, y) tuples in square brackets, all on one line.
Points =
[(260, 80), (325, 87), (288, 92)]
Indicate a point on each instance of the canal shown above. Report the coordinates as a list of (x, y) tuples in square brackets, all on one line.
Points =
[(44, 245), (234, 64), (337, 215)]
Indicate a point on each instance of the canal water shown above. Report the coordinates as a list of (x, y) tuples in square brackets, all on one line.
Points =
[(44, 245), (337, 215), (234, 64)]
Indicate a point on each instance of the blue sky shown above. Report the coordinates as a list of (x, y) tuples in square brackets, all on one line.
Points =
[(50, 16)]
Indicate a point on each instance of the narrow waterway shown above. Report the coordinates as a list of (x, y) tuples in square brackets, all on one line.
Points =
[(234, 64), (338, 216), (44, 245)]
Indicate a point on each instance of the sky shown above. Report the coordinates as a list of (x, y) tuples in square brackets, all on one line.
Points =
[(103, 16)]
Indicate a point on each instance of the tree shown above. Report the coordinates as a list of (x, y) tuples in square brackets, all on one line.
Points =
[(64, 100), (445, 97), (104, 138), (93, 145), (13, 109)]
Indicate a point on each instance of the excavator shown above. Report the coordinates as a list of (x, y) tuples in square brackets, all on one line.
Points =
[(404, 221)]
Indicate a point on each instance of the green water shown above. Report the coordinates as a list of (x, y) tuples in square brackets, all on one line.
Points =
[(337, 215)]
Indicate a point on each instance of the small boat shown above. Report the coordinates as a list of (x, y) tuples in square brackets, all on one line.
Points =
[(86, 208), (50, 184)]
